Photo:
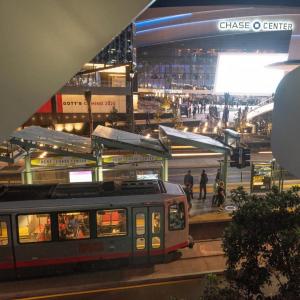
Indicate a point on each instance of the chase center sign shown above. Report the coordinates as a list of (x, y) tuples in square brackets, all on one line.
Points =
[(256, 25)]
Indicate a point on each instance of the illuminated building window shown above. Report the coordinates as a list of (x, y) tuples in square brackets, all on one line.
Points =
[(34, 228)]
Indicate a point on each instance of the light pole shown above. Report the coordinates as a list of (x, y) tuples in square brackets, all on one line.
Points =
[(88, 99), (131, 110)]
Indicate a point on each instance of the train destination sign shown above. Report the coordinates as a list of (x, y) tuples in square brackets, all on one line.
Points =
[(254, 25)]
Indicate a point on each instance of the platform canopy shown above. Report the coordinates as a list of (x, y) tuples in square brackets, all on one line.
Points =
[(115, 138), (35, 137), (192, 139)]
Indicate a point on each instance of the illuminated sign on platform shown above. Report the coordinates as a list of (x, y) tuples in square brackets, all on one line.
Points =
[(256, 25)]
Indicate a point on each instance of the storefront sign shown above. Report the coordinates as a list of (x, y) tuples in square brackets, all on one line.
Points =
[(254, 25), (61, 161), (100, 103)]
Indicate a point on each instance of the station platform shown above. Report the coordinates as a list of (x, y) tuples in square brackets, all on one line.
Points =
[(210, 217)]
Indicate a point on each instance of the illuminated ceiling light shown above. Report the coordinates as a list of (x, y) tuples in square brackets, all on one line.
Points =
[(43, 154), (195, 129), (148, 136), (216, 129), (59, 127), (185, 129), (204, 129), (69, 127), (41, 145), (55, 147), (205, 124), (78, 126)]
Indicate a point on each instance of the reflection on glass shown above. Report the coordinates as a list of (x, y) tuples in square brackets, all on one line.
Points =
[(111, 222), (155, 223), (155, 242), (73, 225), (140, 243), (34, 228), (176, 216), (3, 234), (140, 223)]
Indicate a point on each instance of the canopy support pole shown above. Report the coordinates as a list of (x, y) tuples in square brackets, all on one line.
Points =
[(28, 174), (165, 169), (99, 167)]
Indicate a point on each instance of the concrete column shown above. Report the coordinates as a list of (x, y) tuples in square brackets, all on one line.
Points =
[(28, 174), (165, 169)]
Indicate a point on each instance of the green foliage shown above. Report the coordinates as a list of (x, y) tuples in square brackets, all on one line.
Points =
[(263, 240), (113, 117), (213, 291)]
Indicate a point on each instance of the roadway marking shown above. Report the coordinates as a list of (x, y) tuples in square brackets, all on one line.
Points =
[(105, 290)]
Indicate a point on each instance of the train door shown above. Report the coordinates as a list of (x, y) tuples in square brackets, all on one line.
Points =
[(140, 235), (7, 263), (156, 233), (148, 234)]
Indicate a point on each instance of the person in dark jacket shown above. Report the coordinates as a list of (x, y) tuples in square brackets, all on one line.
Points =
[(203, 183), (189, 182)]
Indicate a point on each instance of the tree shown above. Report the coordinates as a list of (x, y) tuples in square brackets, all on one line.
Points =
[(263, 242), (113, 117)]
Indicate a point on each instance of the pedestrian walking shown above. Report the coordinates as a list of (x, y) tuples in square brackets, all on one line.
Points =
[(194, 112), (216, 185), (203, 183), (188, 183), (220, 195)]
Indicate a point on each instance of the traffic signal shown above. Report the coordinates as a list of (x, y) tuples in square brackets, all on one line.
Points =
[(240, 158), (246, 156), (234, 158)]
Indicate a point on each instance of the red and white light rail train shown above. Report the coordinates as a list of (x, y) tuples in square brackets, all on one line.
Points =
[(46, 229)]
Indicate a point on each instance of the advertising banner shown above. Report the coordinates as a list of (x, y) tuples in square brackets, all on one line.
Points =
[(261, 177), (45, 108), (100, 103)]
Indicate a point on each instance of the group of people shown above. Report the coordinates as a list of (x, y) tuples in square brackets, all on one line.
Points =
[(219, 191)]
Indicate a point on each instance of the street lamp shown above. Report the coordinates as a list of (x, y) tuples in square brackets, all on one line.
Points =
[(88, 99)]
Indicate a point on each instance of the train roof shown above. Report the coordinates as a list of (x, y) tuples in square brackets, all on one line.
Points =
[(106, 194)]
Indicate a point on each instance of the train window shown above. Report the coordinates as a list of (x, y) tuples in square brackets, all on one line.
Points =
[(176, 216), (155, 242), (111, 222), (155, 222), (34, 228), (140, 243), (140, 223), (73, 225), (3, 234)]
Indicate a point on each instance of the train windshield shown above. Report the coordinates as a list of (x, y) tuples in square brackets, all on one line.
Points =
[(176, 216)]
